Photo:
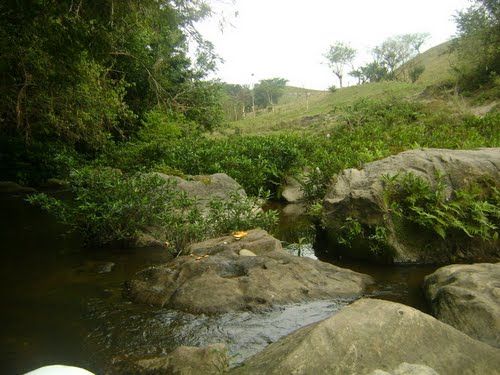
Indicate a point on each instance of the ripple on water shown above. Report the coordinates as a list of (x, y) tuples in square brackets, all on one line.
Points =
[(127, 332)]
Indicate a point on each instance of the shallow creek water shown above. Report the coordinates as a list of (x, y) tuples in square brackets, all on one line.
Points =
[(62, 304)]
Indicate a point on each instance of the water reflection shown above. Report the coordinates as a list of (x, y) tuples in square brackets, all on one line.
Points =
[(64, 305)]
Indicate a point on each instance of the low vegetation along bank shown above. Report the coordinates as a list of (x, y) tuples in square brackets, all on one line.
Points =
[(104, 103), (363, 131)]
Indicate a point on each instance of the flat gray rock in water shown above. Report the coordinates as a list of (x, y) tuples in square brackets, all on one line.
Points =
[(217, 279), (468, 298)]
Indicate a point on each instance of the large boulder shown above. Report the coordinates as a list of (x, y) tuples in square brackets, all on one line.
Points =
[(205, 188), (218, 277), (358, 196), (372, 335), (468, 298)]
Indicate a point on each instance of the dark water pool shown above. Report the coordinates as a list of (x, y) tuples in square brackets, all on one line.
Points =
[(60, 305)]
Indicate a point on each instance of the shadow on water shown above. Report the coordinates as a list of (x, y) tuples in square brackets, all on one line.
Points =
[(64, 305)]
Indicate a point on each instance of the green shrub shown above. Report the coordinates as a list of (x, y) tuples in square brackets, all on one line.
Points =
[(368, 130), (110, 207), (353, 230), (257, 163)]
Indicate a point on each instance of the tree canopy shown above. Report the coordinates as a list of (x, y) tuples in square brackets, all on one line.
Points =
[(395, 52), (339, 55), (84, 71), (268, 91), (478, 43)]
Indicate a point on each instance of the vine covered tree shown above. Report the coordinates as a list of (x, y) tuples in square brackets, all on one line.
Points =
[(339, 56)]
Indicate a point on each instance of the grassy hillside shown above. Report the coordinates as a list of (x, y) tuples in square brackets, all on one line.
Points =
[(319, 112), (437, 62)]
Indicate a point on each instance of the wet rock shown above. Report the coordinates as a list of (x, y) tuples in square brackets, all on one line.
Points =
[(257, 241), (95, 266), (105, 267), (187, 360), (152, 237), (291, 190), (215, 279), (10, 187), (468, 298), (372, 335), (359, 194)]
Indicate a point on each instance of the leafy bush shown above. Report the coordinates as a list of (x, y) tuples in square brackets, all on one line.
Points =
[(374, 129), (387, 111), (368, 130), (257, 163), (110, 207), (353, 230)]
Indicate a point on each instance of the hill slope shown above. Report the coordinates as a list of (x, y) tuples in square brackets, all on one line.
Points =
[(312, 111), (437, 62)]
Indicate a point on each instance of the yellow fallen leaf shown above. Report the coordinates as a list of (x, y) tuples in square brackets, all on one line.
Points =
[(239, 235)]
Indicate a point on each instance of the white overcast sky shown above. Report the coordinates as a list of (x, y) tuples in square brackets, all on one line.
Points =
[(287, 38)]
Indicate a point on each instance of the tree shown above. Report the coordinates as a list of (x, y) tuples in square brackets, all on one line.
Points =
[(238, 101), (339, 55), (373, 72), (416, 40), (268, 91), (358, 74), (395, 52), (82, 72), (478, 43)]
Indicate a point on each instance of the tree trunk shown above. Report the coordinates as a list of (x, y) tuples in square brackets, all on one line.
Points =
[(339, 76)]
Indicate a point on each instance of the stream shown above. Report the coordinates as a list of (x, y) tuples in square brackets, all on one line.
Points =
[(62, 304)]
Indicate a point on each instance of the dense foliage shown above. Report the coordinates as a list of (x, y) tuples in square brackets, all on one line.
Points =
[(80, 74), (393, 60), (478, 44), (268, 91), (110, 207), (261, 162)]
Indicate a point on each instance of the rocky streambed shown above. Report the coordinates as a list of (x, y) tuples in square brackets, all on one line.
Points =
[(245, 304)]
